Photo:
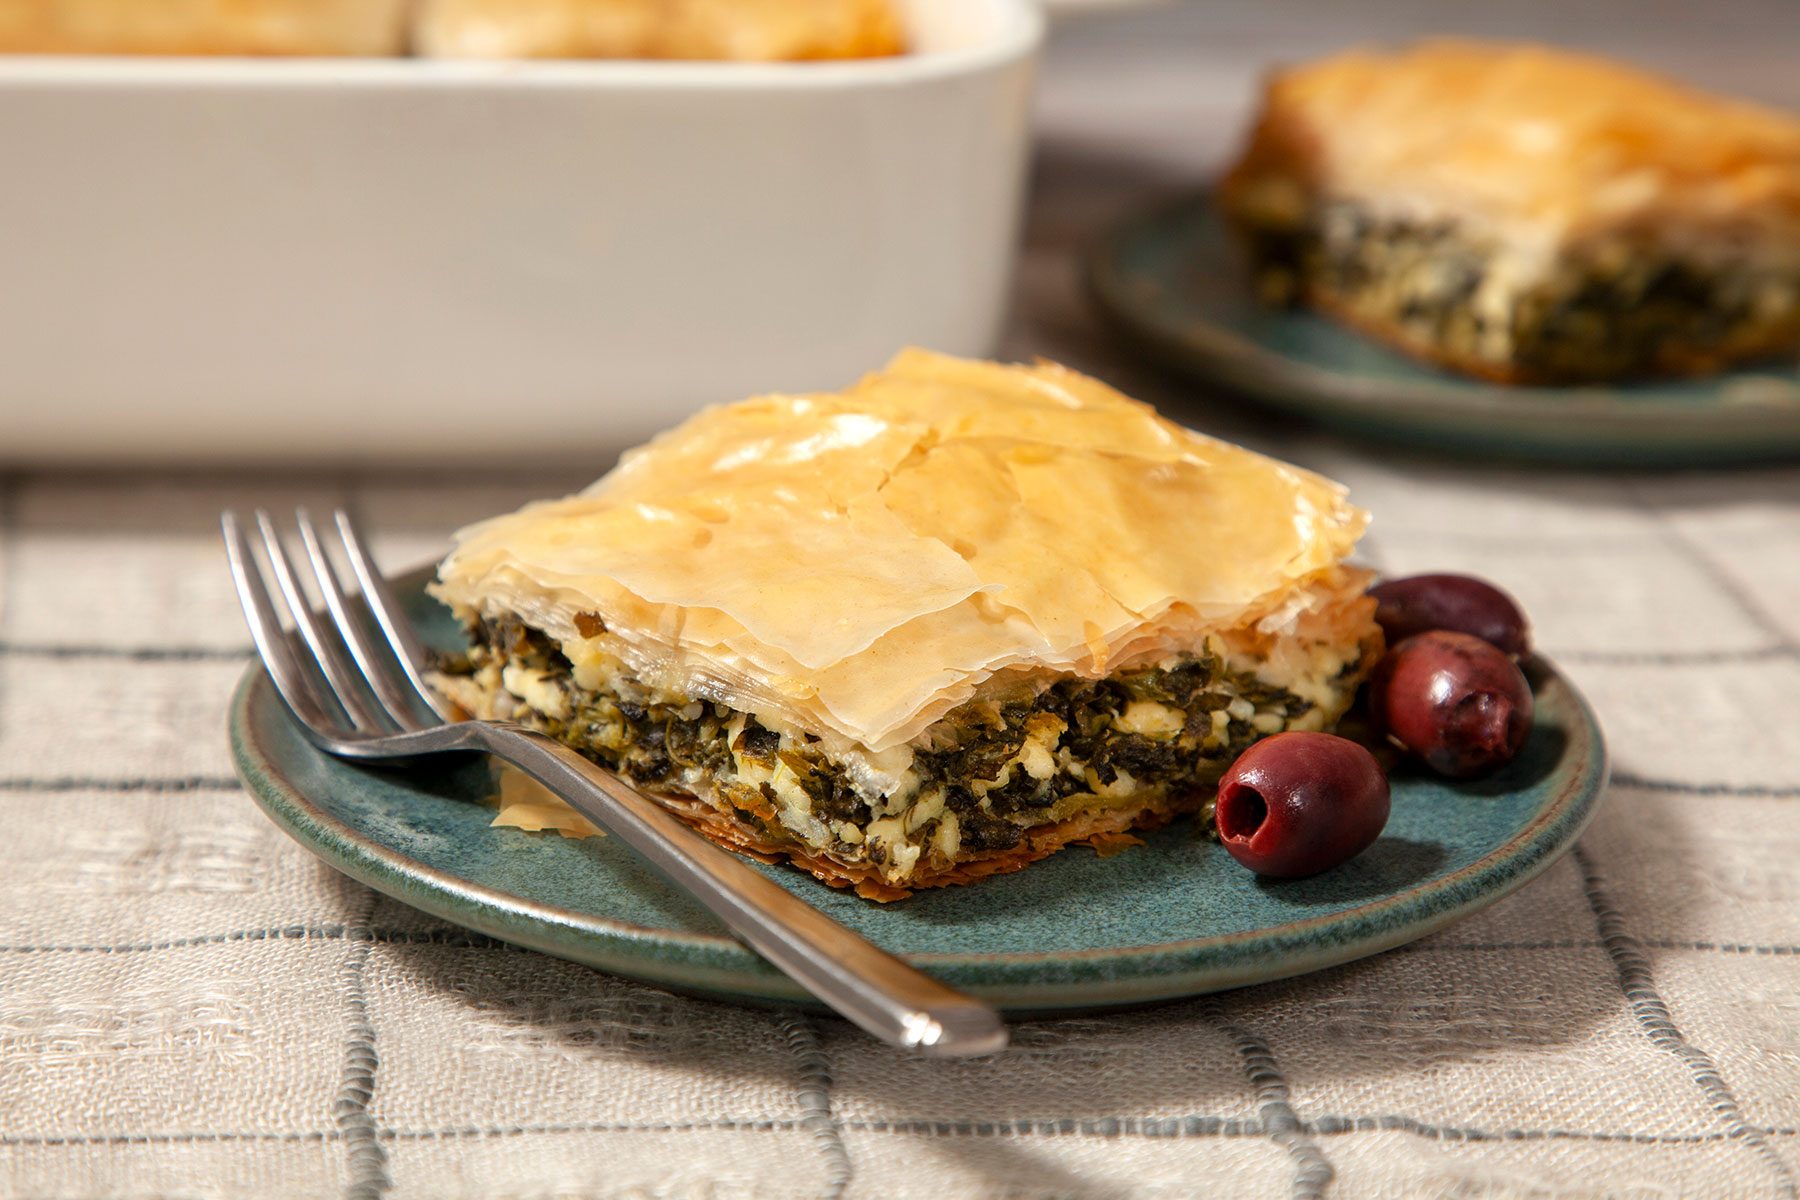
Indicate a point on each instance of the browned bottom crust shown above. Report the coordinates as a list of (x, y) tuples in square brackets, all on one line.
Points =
[(1673, 362), (1106, 831)]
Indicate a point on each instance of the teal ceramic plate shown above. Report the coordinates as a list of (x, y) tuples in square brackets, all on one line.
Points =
[(1171, 918), (1171, 281)]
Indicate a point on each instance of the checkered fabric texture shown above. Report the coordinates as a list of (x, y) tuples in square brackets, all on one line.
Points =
[(192, 1006)]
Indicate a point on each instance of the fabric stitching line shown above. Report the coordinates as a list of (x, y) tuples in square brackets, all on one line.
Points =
[(1194, 1126), (1313, 1172), (455, 938), (1179, 1127), (63, 650), (1749, 791), (814, 1096), (1658, 1023), (367, 1159), (143, 783), (725, 1124), (1395, 1122), (161, 1139), (284, 933), (1719, 947), (1097, 1127), (1102, 1127)]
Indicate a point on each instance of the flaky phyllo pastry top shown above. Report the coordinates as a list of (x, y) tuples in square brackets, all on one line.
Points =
[(1543, 145), (858, 563)]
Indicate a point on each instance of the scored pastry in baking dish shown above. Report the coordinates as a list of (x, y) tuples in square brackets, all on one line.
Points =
[(745, 30), (927, 629), (1526, 214), (741, 30), (203, 27)]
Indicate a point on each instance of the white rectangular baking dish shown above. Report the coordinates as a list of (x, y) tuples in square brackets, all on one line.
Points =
[(236, 260)]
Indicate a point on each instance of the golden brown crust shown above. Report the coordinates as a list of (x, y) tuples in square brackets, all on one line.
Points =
[(1547, 170), (749, 30), (204, 27), (738, 30), (1542, 141), (992, 522), (865, 878)]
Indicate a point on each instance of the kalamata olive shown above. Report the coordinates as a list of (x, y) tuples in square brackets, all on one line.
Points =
[(1299, 803), (1463, 603), (1452, 700)]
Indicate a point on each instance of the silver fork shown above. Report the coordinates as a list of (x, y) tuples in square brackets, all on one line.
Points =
[(374, 703)]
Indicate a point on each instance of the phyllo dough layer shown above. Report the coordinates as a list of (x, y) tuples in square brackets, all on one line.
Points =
[(1526, 213), (739, 30), (1007, 596), (204, 27)]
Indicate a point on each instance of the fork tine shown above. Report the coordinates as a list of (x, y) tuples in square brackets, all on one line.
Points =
[(408, 651), (272, 644), (376, 667), (326, 651)]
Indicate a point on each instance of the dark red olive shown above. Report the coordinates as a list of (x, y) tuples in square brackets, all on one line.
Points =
[(1462, 603), (1299, 803), (1454, 701)]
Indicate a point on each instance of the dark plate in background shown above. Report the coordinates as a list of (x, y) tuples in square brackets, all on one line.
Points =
[(1169, 279)]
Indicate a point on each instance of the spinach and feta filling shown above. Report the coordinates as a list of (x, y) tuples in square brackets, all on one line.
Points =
[(1613, 307), (977, 782)]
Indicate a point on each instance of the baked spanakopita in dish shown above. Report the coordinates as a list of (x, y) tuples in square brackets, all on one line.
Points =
[(204, 27), (1526, 214), (736, 30), (928, 629)]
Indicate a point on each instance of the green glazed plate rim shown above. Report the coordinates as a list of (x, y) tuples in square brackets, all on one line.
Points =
[(717, 965), (1133, 276)]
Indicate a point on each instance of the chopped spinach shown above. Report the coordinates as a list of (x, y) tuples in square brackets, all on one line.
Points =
[(980, 757), (1614, 308)]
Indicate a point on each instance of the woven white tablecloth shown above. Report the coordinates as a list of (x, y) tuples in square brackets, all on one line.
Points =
[(192, 1006)]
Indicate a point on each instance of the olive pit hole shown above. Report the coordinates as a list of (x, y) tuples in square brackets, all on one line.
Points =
[(1241, 812)]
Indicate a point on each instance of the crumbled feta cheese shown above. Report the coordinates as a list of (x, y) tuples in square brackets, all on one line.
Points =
[(1151, 719), (536, 689), (948, 837)]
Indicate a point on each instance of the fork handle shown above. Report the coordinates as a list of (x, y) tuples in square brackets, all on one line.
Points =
[(864, 983)]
